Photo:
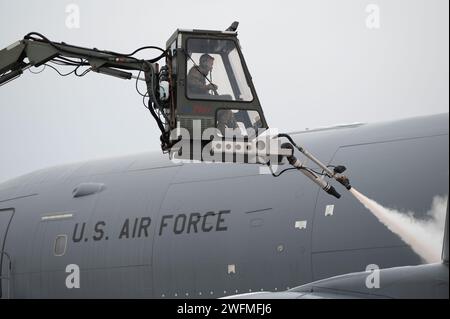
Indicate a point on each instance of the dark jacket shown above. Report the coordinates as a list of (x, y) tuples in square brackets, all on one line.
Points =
[(196, 81)]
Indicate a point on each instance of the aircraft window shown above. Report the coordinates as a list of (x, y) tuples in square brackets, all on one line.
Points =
[(239, 123), (60, 245), (215, 71)]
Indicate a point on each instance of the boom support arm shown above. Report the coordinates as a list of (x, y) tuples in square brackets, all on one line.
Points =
[(31, 51), (13, 59)]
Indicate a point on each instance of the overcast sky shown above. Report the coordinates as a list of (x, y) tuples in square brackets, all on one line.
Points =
[(314, 63)]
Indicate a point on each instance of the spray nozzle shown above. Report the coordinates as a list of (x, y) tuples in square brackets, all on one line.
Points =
[(339, 169), (344, 181), (332, 191)]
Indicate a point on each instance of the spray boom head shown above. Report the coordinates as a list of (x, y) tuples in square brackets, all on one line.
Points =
[(332, 191), (344, 181), (339, 169)]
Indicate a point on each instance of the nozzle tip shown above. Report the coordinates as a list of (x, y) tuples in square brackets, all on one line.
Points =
[(332, 191), (344, 181)]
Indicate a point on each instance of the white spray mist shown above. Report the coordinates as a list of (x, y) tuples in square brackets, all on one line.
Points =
[(424, 236)]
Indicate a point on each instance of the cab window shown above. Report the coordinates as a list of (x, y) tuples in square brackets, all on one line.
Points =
[(235, 123), (215, 71)]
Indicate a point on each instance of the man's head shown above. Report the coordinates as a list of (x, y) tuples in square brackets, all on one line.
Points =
[(225, 116), (206, 62)]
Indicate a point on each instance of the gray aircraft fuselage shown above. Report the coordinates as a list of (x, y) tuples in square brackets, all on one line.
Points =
[(144, 227)]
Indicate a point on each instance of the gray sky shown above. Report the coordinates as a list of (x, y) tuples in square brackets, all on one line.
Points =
[(314, 63)]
